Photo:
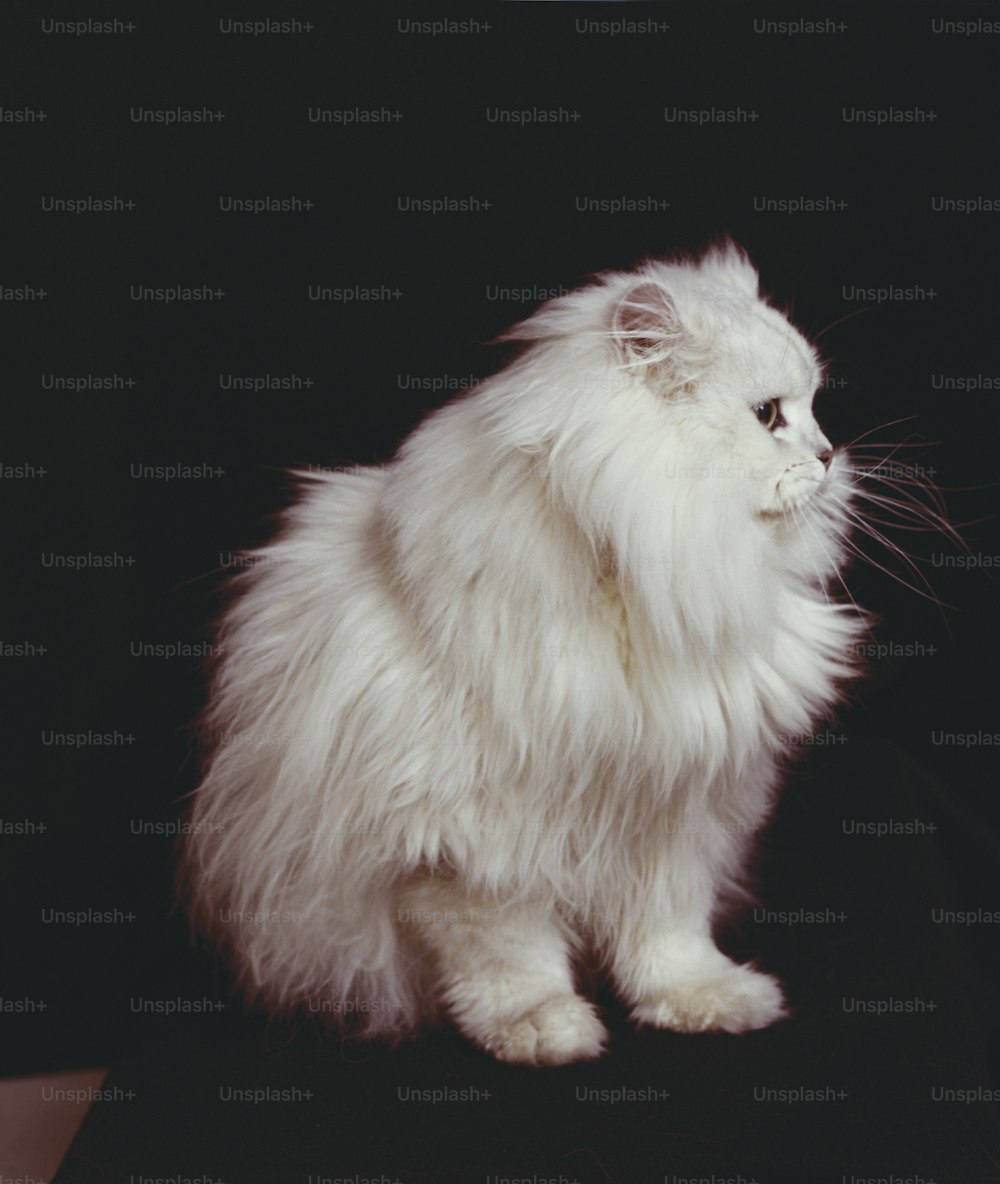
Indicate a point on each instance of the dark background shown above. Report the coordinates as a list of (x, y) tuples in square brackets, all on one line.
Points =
[(374, 369)]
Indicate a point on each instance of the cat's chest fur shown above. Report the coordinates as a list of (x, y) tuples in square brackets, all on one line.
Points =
[(745, 692)]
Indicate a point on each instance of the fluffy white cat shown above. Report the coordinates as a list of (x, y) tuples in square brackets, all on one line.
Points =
[(519, 699)]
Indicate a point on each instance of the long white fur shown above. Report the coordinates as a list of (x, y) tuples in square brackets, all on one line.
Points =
[(521, 695)]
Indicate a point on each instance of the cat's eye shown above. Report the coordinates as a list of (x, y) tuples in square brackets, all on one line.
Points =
[(769, 414)]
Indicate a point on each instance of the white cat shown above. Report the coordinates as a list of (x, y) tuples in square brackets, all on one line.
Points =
[(519, 699)]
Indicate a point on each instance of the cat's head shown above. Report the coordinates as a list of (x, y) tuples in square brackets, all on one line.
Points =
[(677, 392), (739, 377)]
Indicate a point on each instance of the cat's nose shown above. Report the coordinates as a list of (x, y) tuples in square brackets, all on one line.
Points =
[(826, 456)]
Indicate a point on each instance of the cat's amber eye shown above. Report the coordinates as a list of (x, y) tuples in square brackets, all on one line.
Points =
[(769, 413)]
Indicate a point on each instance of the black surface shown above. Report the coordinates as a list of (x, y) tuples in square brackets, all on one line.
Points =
[(855, 931), (85, 827)]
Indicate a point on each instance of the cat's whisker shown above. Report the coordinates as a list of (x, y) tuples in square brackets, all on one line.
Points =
[(848, 316), (902, 500), (910, 442), (907, 486), (873, 465), (898, 525), (882, 467), (869, 449), (868, 460), (918, 479), (912, 511), (878, 427), (925, 512), (934, 515), (863, 555), (913, 518), (865, 526), (903, 485)]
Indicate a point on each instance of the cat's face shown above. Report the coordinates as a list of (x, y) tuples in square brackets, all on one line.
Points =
[(758, 393), (736, 379)]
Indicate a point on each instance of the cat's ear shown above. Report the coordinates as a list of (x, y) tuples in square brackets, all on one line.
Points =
[(645, 326)]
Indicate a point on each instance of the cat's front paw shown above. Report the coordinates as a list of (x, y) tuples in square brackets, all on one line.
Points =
[(555, 1032), (731, 999)]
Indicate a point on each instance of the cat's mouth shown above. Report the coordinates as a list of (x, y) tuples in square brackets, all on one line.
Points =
[(795, 489)]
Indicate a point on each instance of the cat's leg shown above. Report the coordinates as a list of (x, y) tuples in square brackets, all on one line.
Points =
[(660, 950), (504, 974), (677, 978)]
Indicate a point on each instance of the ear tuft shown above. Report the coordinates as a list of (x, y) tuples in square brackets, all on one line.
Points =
[(645, 326), (727, 261)]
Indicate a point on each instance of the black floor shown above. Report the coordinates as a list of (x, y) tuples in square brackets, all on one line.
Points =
[(881, 1072)]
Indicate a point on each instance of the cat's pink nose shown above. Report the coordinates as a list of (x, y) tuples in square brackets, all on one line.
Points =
[(826, 456)]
